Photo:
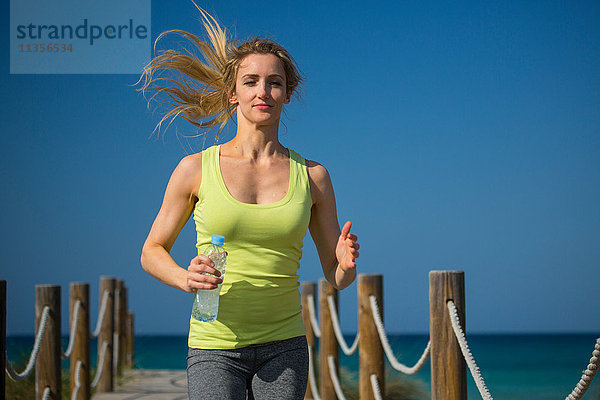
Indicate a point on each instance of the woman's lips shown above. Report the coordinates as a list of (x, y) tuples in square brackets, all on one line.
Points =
[(262, 106)]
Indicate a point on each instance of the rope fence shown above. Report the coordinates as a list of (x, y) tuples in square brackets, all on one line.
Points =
[(101, 361), (313, 316), (47, 353), (101, 314), (397, 365), (587, 376), (75, 391), (17, 377), (466, 352), (338, 332), (375, 386), (447, 349), (337, 387), (312, 379), (71, 344), (47, 393)]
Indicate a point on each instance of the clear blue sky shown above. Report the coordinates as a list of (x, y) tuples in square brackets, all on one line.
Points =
[(459, 135)]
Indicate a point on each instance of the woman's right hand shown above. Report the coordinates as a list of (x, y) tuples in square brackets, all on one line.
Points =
[(197, 277)]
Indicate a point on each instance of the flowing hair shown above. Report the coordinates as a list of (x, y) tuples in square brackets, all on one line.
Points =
[(205, 102)]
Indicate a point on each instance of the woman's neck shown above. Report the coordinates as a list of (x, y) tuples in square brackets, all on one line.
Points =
[(256, 142)]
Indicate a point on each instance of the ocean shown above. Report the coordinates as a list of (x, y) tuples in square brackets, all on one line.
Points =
[(515, 366)]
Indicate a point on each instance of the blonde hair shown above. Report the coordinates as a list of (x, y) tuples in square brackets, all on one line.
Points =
[(206, 103)]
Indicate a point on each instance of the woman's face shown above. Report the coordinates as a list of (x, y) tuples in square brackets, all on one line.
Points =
[(260, 89)]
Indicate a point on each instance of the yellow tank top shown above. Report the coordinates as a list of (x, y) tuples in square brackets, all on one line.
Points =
[(260, 300)]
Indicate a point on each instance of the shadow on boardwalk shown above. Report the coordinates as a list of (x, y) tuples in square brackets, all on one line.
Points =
[(150, 384)]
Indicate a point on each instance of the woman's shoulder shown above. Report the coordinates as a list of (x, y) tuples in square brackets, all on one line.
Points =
[(191, 163), (316, 170), (188, 174), (321, 187), (318, 176)]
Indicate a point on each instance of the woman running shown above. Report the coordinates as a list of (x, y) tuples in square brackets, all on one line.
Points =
[(260, 195)]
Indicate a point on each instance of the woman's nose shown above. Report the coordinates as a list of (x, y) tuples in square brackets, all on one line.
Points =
[(263, 90)]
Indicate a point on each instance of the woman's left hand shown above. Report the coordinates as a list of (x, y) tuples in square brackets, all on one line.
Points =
[(346, 249)]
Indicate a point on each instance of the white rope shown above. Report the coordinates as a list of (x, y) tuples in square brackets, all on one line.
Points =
[(375, 387), (587, 376), (46, 394), (313, 315), (311, 375), (101, 314), (338, 332), (100, 365), (115, 352), (69, 350), (398, 366), (77, 380), (116, 333), (334, 378), (17, 377), (464, 347)]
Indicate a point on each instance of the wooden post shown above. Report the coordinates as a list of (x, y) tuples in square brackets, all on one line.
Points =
[(81, 347), (308, 288), (370, 350), (118, 328), (106, 382), (123, 340), (2, 339), (130, 340), (448, 367), (328, 343), (47, 366)]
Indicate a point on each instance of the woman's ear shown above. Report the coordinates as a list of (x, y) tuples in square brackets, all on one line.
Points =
[(233, 98), (288, 97)]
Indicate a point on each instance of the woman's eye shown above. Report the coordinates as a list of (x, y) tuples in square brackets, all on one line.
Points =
[(276, 83), (249, 82)]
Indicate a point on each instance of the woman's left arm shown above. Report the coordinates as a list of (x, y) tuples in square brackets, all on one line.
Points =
[(337, 250)]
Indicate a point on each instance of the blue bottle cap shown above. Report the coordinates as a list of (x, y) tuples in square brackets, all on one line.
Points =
[(217, 239)]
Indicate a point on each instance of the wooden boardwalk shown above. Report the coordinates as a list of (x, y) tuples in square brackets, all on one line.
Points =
[(149, 384)]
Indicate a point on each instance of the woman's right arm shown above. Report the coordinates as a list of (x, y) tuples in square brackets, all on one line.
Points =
[(178, 204)]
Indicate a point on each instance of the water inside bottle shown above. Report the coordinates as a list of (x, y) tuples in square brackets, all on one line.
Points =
[(206, 302)]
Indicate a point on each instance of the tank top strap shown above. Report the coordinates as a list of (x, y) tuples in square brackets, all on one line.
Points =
[(209, 180), (301, 185)]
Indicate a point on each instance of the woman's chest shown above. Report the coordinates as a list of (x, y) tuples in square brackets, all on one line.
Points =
[(254, 225), (252, 183)]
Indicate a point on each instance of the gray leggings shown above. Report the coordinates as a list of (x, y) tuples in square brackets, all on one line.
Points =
[(274, 370)]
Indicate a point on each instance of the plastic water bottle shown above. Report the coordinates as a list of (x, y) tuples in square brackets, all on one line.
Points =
[(206, 302)]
